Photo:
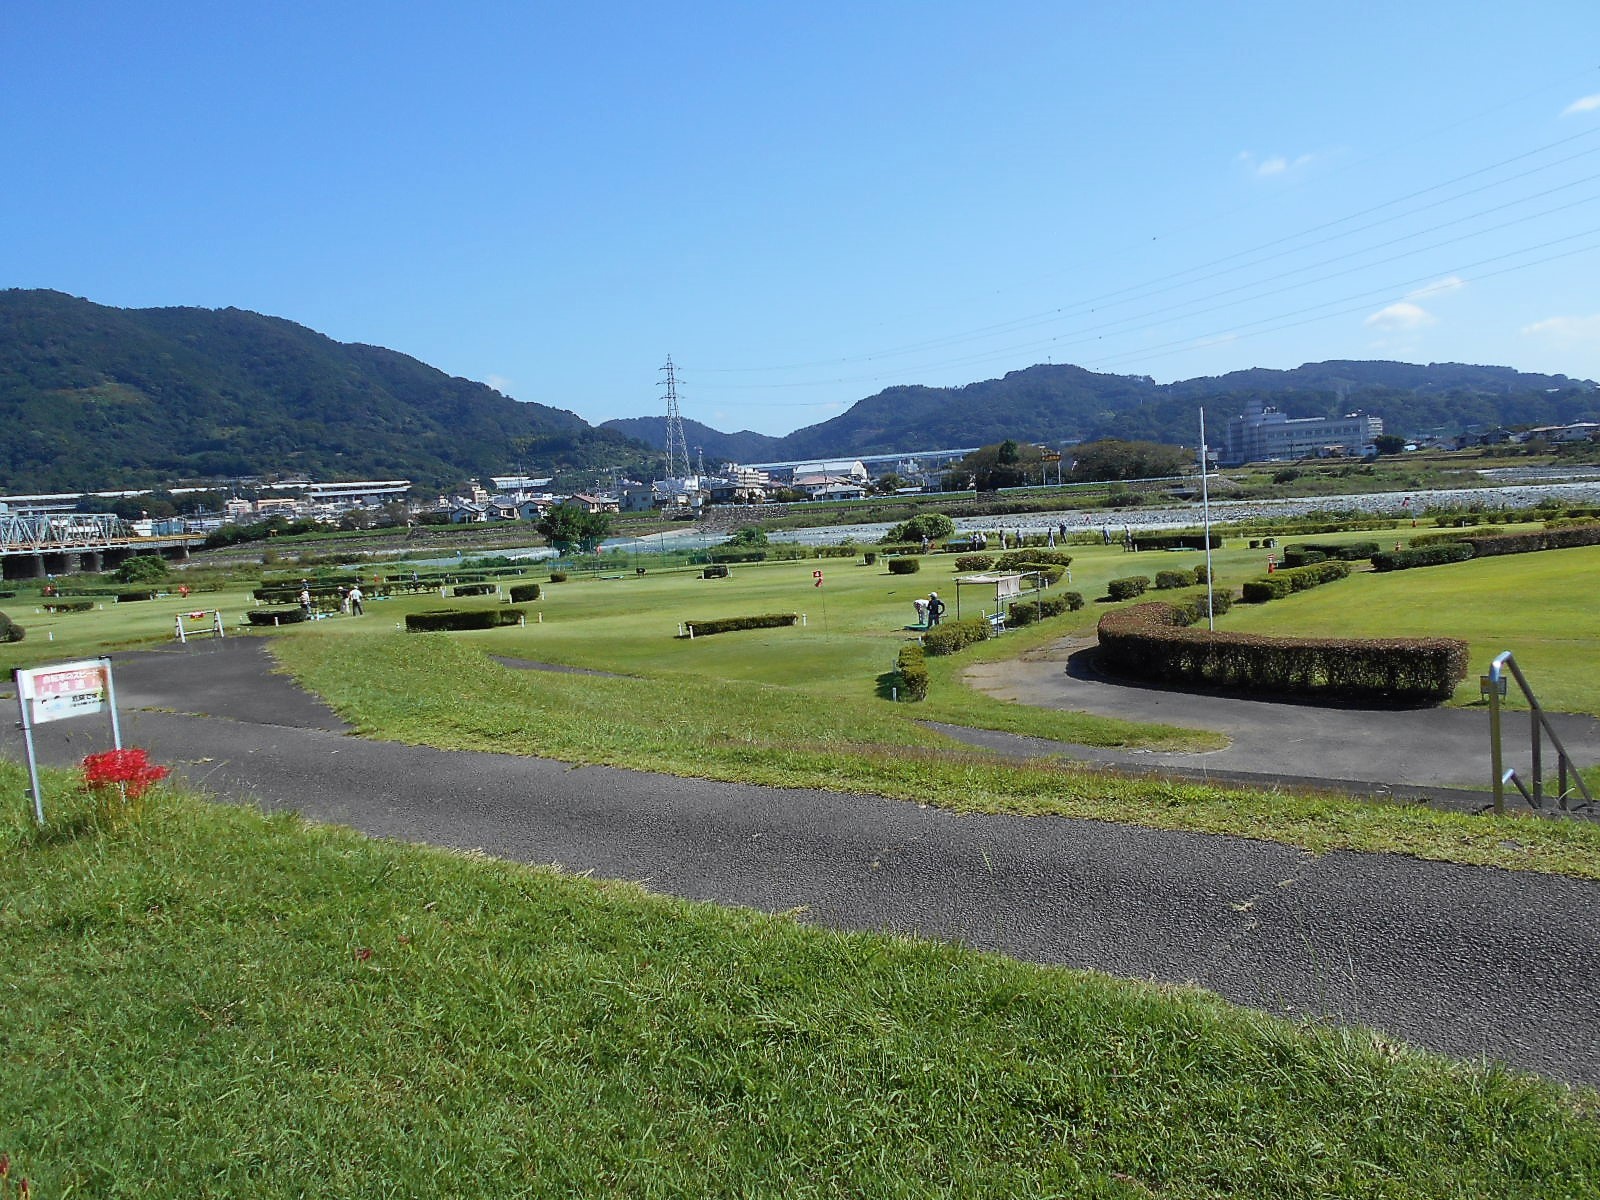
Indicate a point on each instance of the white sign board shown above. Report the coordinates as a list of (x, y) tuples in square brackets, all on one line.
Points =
[(76, 689)]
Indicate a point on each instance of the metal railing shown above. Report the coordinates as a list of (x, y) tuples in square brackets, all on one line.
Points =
[(1568, 778)]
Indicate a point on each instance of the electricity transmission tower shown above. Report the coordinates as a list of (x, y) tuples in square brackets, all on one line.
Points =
[(677, 444)]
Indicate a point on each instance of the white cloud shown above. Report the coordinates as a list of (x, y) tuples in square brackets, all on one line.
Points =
[(1273, 164), (1450, 283), (1566, 330), (1582, 105), (499, 383), (1400, 315)]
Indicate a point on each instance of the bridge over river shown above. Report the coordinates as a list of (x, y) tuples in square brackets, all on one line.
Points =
[(32, 547)]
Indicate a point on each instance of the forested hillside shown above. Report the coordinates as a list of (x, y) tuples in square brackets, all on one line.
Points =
[(98, 397)]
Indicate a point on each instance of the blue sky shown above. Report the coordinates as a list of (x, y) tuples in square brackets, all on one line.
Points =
[(804, 204)]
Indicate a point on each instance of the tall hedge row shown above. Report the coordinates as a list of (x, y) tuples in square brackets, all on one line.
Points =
[(462, 618), (1151, 641), (1296, 579), (1555, 537), (10, 631), (1027, 559)]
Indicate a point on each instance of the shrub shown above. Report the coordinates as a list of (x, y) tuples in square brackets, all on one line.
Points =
[(870, 557), (1074, 601), (558, 576), (1021, 560), (736, 556), (1167, 580), (130, 597), (911, 670), (904, 566), (715, 571), (1175, 541), (142, 568), (472, 589), (1127, 589), (1422, 556), (933, 526), (1305, 553), (1201, 574), (67, 606), (730, 624), (462, 618), (974, 562), (955, 635), (10, 631), (523, 592), (1295, 579), (275, 616), (1301, 556), (1152, 641)]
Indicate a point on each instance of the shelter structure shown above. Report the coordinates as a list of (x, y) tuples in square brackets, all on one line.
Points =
[(1001, 588)]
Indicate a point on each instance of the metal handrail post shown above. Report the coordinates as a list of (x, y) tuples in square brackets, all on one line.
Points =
[(1496, 758)]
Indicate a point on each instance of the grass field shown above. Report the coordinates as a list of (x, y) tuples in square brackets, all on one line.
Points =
[(214, 1002)]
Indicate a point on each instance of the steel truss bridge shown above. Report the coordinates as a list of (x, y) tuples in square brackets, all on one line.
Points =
[(62, 543)]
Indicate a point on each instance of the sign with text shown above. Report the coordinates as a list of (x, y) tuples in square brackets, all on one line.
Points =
[(76, 689)]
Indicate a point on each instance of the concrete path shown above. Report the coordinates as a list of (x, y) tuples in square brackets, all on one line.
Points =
[(1463, 960), (1440, 755)]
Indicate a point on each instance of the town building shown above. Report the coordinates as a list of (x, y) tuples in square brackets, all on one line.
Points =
[(1263, 434)]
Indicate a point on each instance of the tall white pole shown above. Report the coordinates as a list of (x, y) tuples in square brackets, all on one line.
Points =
[(1205, 505)]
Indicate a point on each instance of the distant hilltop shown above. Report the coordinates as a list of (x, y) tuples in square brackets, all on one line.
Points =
[(94, 397)]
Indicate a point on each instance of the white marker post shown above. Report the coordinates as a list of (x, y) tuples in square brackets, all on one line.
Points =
[(55, 693)]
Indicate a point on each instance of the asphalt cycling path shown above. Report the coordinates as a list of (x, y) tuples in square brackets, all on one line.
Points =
[(1463, 960)]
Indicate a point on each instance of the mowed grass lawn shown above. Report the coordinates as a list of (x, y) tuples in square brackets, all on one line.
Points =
[(209, 1001), (1543, 607)]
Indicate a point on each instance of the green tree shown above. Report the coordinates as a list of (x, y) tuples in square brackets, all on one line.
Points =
[(567, 526), (1389, 443), (142, 568), (933, 526), (749, 535), (1005, 464), (1113, 458)]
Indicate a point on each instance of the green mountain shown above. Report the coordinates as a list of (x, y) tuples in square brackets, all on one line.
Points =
[(1056, 404), (93, 397), (743, 446)]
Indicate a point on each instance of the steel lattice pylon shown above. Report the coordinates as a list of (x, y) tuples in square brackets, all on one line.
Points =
[(677, 444)]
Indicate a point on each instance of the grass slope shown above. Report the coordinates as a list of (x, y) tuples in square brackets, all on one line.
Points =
[(215, 1002)]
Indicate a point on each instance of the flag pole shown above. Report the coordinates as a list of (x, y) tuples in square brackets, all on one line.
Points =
[(1205, 504)]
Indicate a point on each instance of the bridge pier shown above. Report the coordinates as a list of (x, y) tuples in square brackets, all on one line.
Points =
[(92, 560), (63, 562), (22, 566)]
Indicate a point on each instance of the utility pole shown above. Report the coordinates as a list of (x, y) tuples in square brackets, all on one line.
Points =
[(677, 444)]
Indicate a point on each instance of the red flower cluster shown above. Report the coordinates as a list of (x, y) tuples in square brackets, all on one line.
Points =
[(130, 769)]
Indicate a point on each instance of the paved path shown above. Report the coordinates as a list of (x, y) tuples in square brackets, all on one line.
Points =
[(1433, 754), (1463, 960)]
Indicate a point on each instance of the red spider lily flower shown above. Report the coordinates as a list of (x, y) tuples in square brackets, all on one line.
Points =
[(363, 953), (5, 1165), (129, 769)]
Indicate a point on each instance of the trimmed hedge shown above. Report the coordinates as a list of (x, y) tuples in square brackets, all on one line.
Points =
[(974, 562), (10, 631), (911, 669), (558, 576), (462, 618), (1127, 589), (869, 557), (1421, 556), (955, 635), (130, 597), (67, 606), (473, 589), (1152, 641), (1348, 552), (1037, 556), (522, 592), (904, 566), (1295, 579), (730, 624), (275, 616), (1026, 612), (1556, 537), (1167, 580), (715, 571), (1175, 541), (736, 556)]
